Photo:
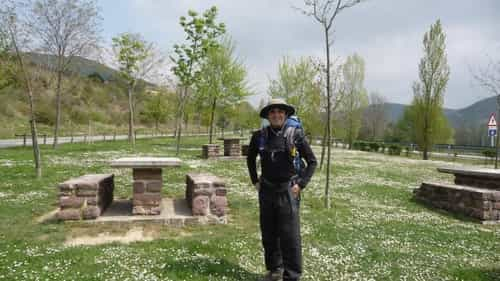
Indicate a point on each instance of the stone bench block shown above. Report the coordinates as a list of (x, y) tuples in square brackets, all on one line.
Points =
[(206, 194), (85, 197), (480, 203)]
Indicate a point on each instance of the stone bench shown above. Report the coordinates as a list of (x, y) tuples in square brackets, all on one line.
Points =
[(85, 197), (476, 193), (206, 194)]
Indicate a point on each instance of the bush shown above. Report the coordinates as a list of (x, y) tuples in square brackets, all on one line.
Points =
[(356, 145), (367, 146), (394, 149), (489, 153), (374, 146)]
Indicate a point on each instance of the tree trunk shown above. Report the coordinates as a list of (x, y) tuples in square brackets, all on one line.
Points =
[(323, 146), (328, 114), (34, 133), (212, 114), (199, 121), (180, 120), (58, 109), (425, 147), (131, 132)]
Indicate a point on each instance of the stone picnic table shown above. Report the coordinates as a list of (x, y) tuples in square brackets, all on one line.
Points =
[(232, 146), (475, 193), (147, 181)]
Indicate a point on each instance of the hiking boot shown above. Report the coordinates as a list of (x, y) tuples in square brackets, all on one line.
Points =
[(275, 275)]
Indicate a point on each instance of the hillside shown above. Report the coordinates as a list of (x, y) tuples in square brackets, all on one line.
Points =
[(82, 66), (91, 92), (476, 114)]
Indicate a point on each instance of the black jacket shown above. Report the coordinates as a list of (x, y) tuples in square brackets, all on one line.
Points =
[(276, 161)]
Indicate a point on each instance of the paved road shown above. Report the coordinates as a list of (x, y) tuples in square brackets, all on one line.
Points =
[(4, 143)]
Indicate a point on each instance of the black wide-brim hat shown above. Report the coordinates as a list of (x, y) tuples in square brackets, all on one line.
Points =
[(276, 103)]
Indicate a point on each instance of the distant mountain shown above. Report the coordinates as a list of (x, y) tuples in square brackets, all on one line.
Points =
[(79, 65), (476, 114)]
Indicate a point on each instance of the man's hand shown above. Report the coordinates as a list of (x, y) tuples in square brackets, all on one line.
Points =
[(257, 186), (296, 191)]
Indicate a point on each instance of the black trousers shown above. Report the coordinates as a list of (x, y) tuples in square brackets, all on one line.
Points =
[(280, 228)]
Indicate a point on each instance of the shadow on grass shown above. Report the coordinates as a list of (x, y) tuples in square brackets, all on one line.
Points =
[(205, 267)]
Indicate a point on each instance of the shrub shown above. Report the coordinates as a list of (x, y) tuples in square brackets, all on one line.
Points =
[(490, 153), (394, 149), (374, 146)]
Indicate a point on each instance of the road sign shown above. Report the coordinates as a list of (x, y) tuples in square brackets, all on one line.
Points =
[(492, 121), (492, 132)]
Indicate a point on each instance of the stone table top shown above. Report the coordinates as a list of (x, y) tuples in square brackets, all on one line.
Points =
[(470, 171), (145, 162)]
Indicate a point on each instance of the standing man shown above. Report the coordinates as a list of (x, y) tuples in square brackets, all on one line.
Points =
[(281, 147)]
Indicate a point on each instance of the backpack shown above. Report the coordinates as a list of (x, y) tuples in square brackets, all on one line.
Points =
[(291, 125)]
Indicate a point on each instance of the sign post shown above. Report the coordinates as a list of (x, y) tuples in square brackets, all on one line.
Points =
[(492, 129)]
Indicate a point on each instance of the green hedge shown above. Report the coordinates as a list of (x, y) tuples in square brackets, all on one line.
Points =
[(369, 146), (395, 149), (490, 153)]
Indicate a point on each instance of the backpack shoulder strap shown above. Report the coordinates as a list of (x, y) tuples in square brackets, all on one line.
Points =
[(263, 136), (289, 135)]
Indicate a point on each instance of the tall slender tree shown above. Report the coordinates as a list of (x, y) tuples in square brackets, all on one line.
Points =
[(13, 30), (136, 59), (428, 92), (222, 80), (325, 12), (355, 98), (202, 33)]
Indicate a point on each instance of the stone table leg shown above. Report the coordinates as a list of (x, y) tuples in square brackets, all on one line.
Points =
[(147, 191), (232, 148)]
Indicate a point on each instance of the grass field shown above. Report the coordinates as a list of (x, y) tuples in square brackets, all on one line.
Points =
[(375, 230)]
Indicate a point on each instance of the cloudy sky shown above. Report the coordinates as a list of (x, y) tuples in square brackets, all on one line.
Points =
[(386, 33)]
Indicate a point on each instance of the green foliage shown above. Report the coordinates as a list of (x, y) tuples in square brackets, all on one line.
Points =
[(131, 51), (404, 130), (201, 36), (489, 153), (222, 81), (246, 117), (395, 149), (297, 83), (156, 108), (7, 71), (374, 146), (366, 146), (223, 77)]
